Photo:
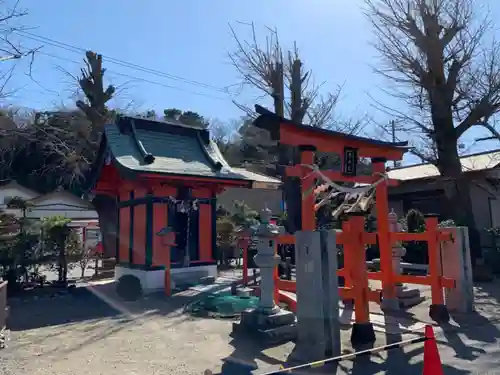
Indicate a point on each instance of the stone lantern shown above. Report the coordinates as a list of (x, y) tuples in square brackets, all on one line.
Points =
[(267, 260), (267, 320), (398, 251), (406, 297)]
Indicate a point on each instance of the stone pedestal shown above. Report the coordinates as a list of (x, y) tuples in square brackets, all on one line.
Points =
[(268, 322), (269, 328), (405, 297)]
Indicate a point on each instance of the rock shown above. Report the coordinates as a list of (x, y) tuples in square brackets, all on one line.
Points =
[(129, 288)]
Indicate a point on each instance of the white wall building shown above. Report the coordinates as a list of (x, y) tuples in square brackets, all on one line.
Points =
[(56, 203)]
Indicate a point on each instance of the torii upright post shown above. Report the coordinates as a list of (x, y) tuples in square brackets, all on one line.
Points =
[(390, 300), (306, 188)]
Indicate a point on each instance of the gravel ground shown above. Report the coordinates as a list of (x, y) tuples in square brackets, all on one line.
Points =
[(94, 333)]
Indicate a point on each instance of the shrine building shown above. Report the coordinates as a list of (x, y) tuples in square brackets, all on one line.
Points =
[(165, 176)]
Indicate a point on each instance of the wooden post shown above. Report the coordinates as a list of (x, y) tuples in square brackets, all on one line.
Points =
[(437, 310), (276, 276), (170, 242), (359, 274), (385, 246), (362, 330), (306, 187), (433, 251), (348, 255), (244, 242)]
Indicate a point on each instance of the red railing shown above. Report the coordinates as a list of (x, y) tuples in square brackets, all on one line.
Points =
[(354, 238)]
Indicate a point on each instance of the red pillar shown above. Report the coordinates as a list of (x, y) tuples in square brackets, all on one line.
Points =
[(306, 189), (205, 225), (385, 246)]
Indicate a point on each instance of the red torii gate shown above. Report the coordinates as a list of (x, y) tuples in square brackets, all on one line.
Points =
[(350, 148)]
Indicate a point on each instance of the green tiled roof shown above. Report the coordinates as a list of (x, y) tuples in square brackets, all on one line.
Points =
[(175, 150)]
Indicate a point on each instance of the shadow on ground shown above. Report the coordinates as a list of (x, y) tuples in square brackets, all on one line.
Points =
[(243, 359), (70, 308), (88, 303), (466, 342), (98, 301)]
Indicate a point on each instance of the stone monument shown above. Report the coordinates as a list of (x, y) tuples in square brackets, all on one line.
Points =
[(457, 266), (318, 326)]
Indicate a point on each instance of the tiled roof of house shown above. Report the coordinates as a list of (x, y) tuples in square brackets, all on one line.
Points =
[(470, 163), (260, 180)]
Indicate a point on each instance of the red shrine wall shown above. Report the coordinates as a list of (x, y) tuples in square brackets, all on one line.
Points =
[(124, 228), (205, 228), (140, 223), (161, 250), (160, 220)]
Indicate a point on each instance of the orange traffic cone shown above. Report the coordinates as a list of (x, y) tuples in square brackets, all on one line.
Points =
[(432, 361)]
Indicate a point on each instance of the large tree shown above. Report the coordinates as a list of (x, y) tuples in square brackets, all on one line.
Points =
[(279, 74), (444, 69), (59, 147)]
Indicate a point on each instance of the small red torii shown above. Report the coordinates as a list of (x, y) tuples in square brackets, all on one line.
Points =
[(350, 148)]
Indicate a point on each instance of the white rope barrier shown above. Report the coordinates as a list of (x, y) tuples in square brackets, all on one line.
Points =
[(363, 190)]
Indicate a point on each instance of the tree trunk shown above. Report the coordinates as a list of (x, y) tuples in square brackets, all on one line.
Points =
[(457, 185), (107, 209), (63, 263), (460, 204)]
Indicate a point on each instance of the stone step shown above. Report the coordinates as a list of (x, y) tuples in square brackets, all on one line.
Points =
[(410, 301), (279, 335)]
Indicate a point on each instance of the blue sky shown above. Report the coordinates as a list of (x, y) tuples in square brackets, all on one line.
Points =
[(191, 40)]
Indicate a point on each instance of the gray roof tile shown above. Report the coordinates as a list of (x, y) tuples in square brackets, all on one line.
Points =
[(173, 153)]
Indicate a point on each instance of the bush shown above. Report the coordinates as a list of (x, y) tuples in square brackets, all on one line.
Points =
[(416, 251), (415, 221)]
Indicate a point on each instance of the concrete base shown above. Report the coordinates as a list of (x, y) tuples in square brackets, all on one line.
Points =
[(389, 304), (362, 334), (154, 280), (439, 313), (409, 297), (404, 298), (275, 328)]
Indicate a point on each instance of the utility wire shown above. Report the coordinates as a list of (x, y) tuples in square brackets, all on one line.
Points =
[(75, 49), (139, 78)]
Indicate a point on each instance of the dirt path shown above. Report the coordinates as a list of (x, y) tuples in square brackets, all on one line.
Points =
[(97, 334)]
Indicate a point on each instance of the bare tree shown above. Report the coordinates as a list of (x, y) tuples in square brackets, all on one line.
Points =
[(280, 74), (11, 15), (97, 95), (69, 141), (436, 55)]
